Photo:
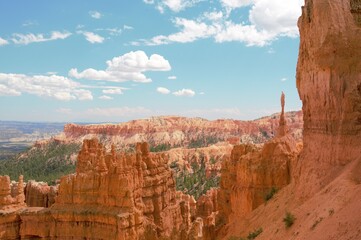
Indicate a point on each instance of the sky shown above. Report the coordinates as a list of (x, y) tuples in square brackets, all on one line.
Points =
[(114, 61)]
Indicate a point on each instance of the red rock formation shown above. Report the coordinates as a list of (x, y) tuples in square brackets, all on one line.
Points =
[(11, 193), (180, 131), (325, 194), (282, 128), (251, 173), (39, 194), (329, 85)]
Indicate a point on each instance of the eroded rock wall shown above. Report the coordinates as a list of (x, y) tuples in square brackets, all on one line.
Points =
[(329, 85)]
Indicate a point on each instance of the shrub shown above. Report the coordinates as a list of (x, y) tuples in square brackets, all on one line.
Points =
[(289, 219), (270, 194), (253, 235)]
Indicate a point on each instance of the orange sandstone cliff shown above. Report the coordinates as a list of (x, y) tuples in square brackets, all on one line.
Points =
[(111, 196), (324, 191)]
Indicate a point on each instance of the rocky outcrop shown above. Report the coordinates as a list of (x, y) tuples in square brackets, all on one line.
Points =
[(251, 173), (11, 193), (329, 85), (39, 194), (111, 196), (183, 132)]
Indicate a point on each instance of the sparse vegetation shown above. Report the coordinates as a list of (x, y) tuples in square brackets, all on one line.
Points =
[(251, 236), (289, 219), (196, 183), (203, 141), (254, 234), (160, 148), (42, 164), (270, 194)]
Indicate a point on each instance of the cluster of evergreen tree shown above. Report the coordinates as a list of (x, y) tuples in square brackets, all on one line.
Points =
[(47, 164), (196, 183)]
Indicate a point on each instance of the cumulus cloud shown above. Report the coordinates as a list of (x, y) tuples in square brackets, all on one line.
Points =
[(163, 90), (276, 17), (236, 3), (92, 37), (191, 31), (113, 91), (172, 77), (173, 5), (58, 87), (268, 20), (184, 92), (105, 97), (95, 14), (25, 39), (128, 67), (3, 42)]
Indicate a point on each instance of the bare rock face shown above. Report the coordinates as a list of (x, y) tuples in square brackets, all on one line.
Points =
[(39, 194), (111, 196), (329, 85), (181, 131), (251, 173), (11, 193)]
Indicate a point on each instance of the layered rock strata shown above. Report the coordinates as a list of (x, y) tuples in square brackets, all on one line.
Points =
[(251, 173), (111, 196), (329, 85)]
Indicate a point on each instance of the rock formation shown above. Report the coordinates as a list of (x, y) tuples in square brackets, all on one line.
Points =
[(325, 191), (111, 196), (251, 173), (282, 128), (182, 132), (39, 194), (329, 85)]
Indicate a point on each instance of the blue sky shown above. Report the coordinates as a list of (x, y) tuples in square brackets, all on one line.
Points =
[(113, 61)]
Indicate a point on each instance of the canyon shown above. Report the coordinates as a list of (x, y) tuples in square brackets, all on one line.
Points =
[(283, 188)]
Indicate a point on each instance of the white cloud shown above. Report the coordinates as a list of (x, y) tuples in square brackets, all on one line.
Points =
[(32, 38), (163, 90), (268, 20), (276, 17), (202, 93), (6, 91), (3, 42), (105, 97), (127, 27), (58, 87), (92, 37), (111, 31), (95, 14), (128, 67), (51, 73), (113, 91), (173, 5), (29, 23), (184, 92), (191, 31), (283, 79), (236, 3), (172, 77)]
